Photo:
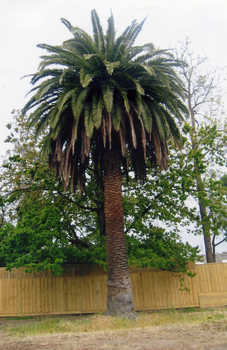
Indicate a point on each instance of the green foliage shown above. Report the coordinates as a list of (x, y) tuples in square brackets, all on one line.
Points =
[(162, 250), (224, 180), (52, 227)]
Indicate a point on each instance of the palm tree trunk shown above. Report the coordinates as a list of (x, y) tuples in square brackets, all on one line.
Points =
[(119, 288)]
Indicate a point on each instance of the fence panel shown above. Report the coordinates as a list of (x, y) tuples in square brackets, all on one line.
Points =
[(82, 289), (211, 278), (156, 289)]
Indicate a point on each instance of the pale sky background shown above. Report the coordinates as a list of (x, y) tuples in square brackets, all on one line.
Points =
[(26, 23)]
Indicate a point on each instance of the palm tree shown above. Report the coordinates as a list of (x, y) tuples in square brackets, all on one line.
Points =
[(103, 100)]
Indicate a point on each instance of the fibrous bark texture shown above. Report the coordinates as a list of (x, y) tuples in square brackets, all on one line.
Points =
[(119, 288)]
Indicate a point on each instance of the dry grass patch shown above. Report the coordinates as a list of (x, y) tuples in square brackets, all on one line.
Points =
[(94, 323)]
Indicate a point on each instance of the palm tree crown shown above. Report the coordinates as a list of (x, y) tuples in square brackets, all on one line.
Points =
[(101, 92)]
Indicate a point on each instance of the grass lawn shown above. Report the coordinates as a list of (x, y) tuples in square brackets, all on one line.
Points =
[(26, 326)]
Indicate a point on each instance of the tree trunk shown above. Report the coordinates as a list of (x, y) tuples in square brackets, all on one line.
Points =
[(206, 235), (203, 216), (214, 248), (199, 185), (119, 288)]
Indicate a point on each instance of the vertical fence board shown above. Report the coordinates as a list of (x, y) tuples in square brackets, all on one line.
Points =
[(77, 294), (147, 290), (38, 295), (224, 278), (102, 292)]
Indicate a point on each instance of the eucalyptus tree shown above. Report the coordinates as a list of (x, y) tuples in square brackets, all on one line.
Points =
[(102, 99), (208, 140)]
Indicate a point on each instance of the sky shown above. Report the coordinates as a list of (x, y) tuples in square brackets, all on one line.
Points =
[(26, 23)]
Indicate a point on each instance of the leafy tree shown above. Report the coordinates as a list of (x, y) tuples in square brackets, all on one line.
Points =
[(207, 143), (73, 234), (107, 102), (29, 193)]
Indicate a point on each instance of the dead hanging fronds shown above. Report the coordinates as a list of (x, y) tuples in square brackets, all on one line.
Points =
[(165, 157), (103, 131), (58, 149), (122, 142), (133, 133), (109, 129), (143, 136), (161, 151), (74, 135), (85, 146)]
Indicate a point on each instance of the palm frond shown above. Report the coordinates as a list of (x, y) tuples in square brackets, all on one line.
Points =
[(119, 49), (117, 115), (110, 66), (122, 141), (133, 134), (160, 121), (81, 46), (45, 73), (79, 102), (146, 114), (97, 106), (85, 77), (88, 120), (41, 125), (133, 31), (110, 38), (45, 87), (108, 92), (34, 117), (97, 31), (66, 23)]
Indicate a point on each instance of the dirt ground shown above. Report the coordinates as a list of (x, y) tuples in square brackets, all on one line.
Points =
[(211, 336)]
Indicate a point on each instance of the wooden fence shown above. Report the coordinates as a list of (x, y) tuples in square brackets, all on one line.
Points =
[(82, 289)]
